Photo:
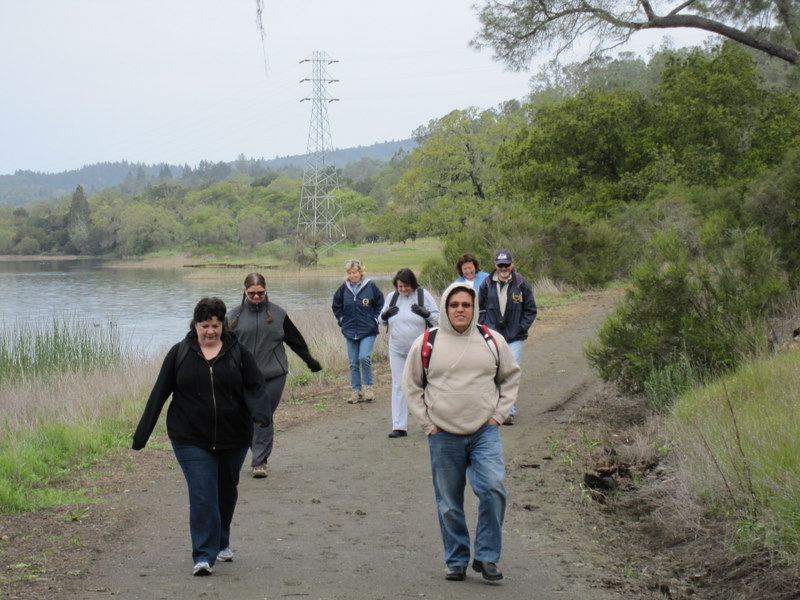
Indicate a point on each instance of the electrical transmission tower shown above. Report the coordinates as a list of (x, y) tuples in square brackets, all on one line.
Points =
[(318, 221)]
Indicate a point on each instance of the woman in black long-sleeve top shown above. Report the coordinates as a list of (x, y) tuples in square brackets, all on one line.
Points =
[(217, 393)]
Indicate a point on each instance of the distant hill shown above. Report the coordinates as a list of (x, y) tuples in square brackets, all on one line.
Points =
[(24, 186)]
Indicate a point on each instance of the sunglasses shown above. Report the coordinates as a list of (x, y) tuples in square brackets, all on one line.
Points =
[(459, 305), (503, 265), (255, 294)]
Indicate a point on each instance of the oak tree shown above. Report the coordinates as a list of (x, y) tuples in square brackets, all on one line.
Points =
[(518, 30)]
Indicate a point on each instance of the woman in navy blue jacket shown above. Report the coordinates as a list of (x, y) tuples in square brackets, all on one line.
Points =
[(357, 304)]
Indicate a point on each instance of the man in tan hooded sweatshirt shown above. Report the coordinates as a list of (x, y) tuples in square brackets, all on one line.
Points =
[(467, 391)]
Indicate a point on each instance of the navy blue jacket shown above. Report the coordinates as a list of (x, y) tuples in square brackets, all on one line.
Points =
[(520, 310), (358, 314)]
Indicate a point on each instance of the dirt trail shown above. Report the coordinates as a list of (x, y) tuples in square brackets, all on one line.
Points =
[(348, 513)]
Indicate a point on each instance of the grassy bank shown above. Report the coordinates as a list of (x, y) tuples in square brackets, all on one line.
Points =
[(737, 444), (65, 398), (384, 258)]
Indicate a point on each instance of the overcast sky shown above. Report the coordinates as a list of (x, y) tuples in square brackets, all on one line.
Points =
[(179, 81)]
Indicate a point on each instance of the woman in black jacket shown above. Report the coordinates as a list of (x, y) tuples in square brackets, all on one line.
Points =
[(217, 392)]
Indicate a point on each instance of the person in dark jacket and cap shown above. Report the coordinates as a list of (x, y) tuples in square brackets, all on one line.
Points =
[(217, 393), (507, 305)]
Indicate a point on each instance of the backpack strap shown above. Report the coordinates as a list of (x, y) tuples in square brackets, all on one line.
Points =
[(487, 337), (183, 352), (393, 301), (427, 348), (421, 302)]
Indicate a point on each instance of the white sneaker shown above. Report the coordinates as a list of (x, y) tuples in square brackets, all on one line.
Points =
[(225, 555), (201, 568), (369, 393)]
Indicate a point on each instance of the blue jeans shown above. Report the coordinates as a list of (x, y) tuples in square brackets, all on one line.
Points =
[(359, 353), (479, 457), (211, 477), (516, 350)]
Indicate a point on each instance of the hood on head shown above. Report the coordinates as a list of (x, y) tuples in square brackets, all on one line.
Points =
[(444, 321)]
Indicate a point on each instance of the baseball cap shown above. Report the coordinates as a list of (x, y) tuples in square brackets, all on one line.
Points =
[(502, 256)]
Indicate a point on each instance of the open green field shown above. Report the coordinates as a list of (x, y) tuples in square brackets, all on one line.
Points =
[(383, 258)]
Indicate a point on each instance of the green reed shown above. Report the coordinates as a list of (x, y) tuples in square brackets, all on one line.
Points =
[(33, 350)]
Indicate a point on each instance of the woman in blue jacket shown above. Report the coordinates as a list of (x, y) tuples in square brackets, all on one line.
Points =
[(357, 304)]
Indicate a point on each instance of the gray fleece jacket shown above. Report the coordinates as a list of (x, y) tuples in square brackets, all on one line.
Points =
[(469, 381)]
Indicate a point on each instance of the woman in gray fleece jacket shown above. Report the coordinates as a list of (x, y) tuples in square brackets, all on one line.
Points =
[(263, 327), (470, 385)]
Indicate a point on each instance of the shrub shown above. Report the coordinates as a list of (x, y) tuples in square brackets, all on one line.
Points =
[(773, 202), (681, 304)]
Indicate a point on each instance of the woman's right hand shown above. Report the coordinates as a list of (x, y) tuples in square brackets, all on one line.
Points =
[(390, 312)]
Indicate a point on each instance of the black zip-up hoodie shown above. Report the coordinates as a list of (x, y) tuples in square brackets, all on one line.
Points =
[(214, 402)]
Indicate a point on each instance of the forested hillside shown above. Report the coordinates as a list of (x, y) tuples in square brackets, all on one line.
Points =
[(24, 186)]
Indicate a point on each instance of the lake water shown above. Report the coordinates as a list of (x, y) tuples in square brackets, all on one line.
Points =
[(150, 307)]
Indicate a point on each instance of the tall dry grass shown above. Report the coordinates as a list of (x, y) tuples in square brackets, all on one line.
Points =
[(327, 345), (82, 398)]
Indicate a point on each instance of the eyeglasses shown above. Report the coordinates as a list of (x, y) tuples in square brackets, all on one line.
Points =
[(503, 265), (455, 305), (255, 294)]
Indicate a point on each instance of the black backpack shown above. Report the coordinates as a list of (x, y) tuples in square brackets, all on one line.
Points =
[(420, 301)]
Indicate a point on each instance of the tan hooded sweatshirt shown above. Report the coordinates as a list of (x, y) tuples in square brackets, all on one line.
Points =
[(467, 385)]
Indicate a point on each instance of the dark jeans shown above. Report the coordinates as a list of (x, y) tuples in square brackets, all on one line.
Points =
[(211, 477), (264, 437)]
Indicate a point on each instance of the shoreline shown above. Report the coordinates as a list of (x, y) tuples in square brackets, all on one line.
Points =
[(198, 266)]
